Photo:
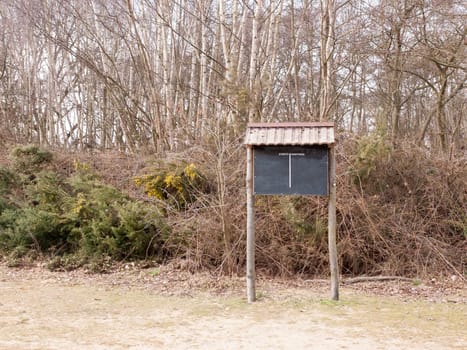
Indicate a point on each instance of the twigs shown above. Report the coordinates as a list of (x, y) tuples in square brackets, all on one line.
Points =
[(444, 259), (375, 279), (406, 218)]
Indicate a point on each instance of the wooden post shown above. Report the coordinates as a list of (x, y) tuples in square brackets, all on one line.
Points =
[(250, 228), (332, 226)]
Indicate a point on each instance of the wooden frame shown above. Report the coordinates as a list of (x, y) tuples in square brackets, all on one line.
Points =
[(250, 229)]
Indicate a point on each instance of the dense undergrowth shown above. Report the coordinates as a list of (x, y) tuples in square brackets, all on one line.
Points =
[(76, 220), (400, 211)]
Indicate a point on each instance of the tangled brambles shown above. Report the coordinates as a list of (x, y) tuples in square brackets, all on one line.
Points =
[(399, 211)]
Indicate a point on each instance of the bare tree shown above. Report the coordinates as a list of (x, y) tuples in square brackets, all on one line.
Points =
[(165, 75)]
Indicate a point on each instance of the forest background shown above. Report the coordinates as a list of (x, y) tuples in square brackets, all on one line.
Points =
[(121, 127)]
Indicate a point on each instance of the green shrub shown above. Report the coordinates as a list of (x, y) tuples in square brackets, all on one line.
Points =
[(371, 151), (8, 218), (33, 229), (3, 204), (310, 226), (79, 216), (178, 187), (7, 179), (141, 229), (120, 230), (108, 223), (30, 159), (48, 192), (39, 229)]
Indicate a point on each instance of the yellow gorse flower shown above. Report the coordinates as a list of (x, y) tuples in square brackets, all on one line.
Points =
[(81, 201), (191, 172), (79, 166), (173, 185)]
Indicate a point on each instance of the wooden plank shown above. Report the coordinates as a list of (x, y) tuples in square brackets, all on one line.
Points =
[(332, 226), (250, 228)]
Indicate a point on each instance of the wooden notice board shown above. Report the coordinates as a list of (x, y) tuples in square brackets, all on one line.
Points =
[(290, 158), (291, 170)]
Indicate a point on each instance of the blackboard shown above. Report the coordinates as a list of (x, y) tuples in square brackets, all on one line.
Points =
[(293, 170)]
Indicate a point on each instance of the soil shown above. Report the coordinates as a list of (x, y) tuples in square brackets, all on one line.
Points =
[(166, 308)]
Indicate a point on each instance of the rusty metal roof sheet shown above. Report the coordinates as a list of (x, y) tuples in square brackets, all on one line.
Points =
[(273, 134)]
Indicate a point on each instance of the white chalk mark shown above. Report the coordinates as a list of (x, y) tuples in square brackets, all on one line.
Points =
[(290, 155)]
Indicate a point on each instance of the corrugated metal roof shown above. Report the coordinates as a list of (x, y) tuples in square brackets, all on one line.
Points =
[(273, 134)]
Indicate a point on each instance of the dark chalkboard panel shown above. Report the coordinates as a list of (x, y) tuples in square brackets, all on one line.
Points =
[(291, 170)]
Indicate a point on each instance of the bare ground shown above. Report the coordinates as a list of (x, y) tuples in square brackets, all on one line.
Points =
[(163, 308)]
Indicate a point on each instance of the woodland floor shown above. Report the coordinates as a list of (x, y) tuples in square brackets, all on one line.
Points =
[(165, 308)]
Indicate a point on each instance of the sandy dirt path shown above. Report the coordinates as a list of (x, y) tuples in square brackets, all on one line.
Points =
[(43, 310)]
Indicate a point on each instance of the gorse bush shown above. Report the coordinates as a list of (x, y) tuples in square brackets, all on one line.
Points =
[(47, 191), (108, 223), (371, 151), (29, 159), (178, 187), (38, 229), (7, 179), (79, 215)]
